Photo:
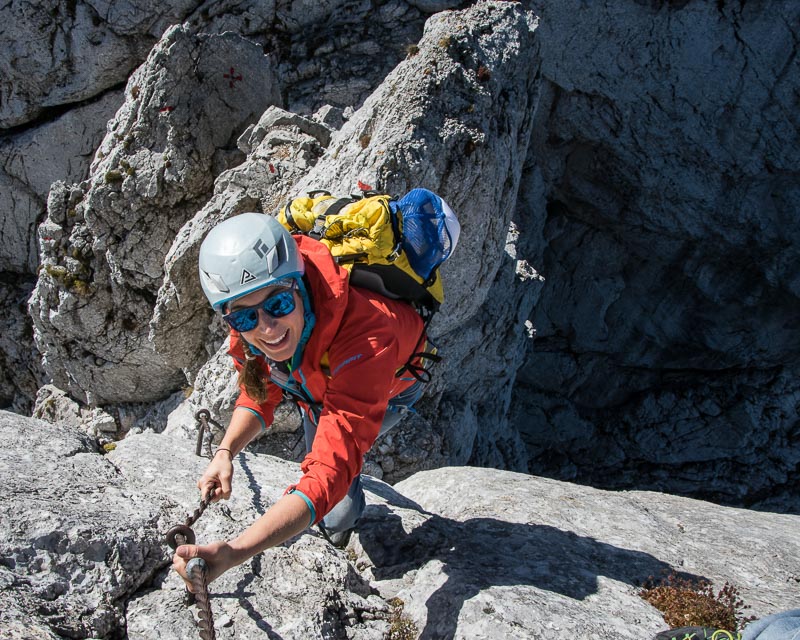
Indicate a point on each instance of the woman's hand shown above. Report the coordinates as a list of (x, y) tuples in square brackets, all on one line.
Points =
[(219, 557), (216, 480)]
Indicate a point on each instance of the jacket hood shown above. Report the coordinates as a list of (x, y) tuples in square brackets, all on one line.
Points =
[(328, 284)]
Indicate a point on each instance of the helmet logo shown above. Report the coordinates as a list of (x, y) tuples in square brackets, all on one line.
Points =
[(260, 248), (246, 277)]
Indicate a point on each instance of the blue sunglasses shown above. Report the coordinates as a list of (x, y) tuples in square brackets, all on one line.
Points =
[(277, 305)]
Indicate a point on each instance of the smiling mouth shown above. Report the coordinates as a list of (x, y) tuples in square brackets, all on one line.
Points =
[(273, 343)]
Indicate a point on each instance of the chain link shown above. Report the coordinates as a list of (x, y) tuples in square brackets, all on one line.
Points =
[(197, 570)]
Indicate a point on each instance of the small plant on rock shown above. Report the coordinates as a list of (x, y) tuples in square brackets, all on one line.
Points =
[(693, 603), (402, 628)]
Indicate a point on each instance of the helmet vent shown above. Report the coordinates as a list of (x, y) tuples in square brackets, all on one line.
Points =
[(273, 260), (214, 281)]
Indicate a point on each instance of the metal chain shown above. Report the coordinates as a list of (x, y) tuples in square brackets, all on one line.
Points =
[(195, 516), (196, 568), (204, 424)]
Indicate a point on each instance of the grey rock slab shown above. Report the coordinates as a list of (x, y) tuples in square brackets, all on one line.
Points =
[(76, 541), (481, 553), (301, 589)]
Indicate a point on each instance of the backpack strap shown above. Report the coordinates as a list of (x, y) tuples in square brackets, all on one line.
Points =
[(287, 211), (398, 235), (318, 231), (417, 371)]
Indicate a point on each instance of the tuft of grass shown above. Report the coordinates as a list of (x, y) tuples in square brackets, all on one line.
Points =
[(412, 50), (401, 627), (687, 603)]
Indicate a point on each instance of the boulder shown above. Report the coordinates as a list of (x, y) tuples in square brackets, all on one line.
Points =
[(104, 242)]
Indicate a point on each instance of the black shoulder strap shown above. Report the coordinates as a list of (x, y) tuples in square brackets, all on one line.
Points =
[(332, 209)]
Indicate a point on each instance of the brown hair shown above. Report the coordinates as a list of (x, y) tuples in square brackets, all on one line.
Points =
[(251, 375)]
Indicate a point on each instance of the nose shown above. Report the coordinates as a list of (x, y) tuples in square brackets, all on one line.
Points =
[(266, 321)]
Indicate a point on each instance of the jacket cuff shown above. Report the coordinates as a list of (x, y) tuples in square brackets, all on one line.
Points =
[(308, 502), (256, 414)]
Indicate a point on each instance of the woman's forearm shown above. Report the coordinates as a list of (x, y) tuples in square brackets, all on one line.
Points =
[(243, 427), (286, 518)]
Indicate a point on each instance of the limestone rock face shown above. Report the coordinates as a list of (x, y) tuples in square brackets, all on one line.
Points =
[(622, 306), (58, 52), (31, 161), (514, 556), (104, 241), (666, 346), (437, 90)]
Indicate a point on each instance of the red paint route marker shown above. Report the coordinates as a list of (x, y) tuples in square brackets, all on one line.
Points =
[(232, 77)]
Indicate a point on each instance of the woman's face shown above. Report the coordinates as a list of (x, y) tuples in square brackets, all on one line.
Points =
[(276, 337)]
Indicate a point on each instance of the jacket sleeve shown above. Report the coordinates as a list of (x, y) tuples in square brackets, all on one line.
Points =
[(264, 411), (362, 375)]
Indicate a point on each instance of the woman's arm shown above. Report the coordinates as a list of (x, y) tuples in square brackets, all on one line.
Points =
[(286, 518), (243, 427)]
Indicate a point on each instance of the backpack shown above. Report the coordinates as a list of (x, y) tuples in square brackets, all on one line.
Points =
[(394, 247)]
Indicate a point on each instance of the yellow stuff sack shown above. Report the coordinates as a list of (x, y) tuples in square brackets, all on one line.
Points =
[(365, 234)]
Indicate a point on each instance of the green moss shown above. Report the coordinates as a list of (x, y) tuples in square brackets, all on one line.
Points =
[(55, 271), (67, 279), (109, 446), (81, 287), (113, 176)]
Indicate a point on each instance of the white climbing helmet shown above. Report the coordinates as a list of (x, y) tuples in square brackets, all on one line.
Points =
[(244, 253)]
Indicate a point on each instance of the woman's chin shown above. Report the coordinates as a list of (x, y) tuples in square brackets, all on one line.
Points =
[(280, 352)]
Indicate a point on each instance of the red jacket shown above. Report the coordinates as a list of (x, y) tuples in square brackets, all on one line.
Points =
[(359, 341)]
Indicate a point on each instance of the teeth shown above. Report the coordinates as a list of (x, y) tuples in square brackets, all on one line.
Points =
[(273, 342)]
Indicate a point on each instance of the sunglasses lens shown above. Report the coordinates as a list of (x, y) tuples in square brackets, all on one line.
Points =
[(279, 305), (242, 319)]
